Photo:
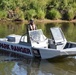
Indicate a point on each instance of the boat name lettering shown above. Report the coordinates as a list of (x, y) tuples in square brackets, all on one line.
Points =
[(4, 46), (21, 49), (15, 48)]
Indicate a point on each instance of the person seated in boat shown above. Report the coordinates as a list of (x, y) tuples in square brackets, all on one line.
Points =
[(31, 25)]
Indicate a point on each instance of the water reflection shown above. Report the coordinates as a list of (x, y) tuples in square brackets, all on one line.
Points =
[(11, 28), (15, 66), (69, 29)]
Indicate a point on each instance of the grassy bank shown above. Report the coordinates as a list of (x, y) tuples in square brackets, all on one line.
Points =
[(36, 21)]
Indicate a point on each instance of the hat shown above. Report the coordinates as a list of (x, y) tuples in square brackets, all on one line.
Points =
[(31, 20)]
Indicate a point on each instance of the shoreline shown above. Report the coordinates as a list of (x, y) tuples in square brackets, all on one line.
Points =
[(51, 21), (39, 21), (56, 21)]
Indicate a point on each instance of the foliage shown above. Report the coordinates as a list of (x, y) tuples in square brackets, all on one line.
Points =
[(40, 8), (70, 14), (3, 14), (19, 13), (40, 14), (30, 14), (54, 14)]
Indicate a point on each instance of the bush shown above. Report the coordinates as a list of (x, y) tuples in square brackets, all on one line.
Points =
[(54, 14), (18, 14), (30, 14), (40, 14), (3, 14), (21, 15), (70, 14)]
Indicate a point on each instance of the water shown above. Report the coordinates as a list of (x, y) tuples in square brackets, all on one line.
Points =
[(13, 64)]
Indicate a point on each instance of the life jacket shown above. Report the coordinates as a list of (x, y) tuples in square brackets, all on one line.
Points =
[(32, 27)]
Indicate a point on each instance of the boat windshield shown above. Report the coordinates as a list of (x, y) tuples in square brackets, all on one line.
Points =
[(37, 35), (57, 34)]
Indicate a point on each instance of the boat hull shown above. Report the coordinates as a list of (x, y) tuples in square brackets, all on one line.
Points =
[(47, 53), (16, 48), (43, 53)]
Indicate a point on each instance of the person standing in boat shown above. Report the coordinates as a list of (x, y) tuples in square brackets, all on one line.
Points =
[(31, 25)]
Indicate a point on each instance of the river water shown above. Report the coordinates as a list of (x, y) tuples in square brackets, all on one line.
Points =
[(13, 64)]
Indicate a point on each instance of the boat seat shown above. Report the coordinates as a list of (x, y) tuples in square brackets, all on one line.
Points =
[(51, 44), (13, 38)]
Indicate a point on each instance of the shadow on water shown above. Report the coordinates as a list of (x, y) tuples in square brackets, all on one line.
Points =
[(18, 65), (10, 56)]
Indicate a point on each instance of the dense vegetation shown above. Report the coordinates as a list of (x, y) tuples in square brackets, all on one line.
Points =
[(38, 9)]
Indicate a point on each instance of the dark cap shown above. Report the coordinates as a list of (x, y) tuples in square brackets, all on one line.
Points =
[(31, 20)]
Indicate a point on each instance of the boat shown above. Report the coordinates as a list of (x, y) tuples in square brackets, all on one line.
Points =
[(39, 45)]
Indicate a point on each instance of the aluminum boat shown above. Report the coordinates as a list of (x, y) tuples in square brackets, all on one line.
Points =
[(39, 45)]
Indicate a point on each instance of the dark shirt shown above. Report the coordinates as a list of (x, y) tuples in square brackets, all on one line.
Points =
[(29, 29)]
